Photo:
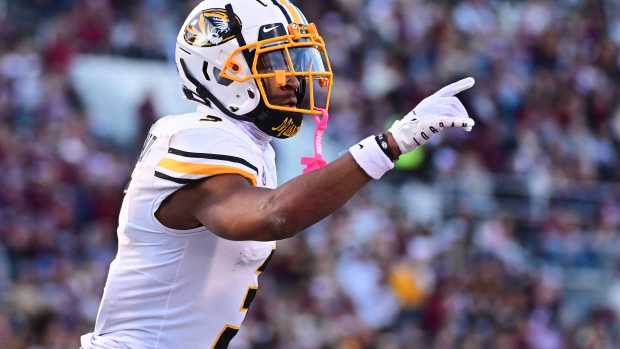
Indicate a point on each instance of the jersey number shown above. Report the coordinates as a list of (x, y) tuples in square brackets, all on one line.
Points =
[(229, 332)]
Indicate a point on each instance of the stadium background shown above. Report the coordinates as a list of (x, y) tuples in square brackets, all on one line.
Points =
[(507, 237)]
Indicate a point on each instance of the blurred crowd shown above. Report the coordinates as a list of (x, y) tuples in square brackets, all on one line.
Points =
[(507, 237)]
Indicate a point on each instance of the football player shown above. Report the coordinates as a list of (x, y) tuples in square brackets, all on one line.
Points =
[(203, 209)]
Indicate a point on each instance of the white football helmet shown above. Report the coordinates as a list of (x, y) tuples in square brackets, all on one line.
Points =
[(228, 49)]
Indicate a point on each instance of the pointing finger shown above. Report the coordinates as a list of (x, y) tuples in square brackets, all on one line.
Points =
[(456, 87)]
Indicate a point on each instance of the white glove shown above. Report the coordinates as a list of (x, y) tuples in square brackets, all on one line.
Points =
[(436, 112)]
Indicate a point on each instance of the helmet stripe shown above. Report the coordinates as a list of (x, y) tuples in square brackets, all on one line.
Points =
[(288, 18), (291, 10), (236, 27), (304, 20)]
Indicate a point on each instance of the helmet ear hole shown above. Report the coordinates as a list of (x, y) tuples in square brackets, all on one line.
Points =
[(221, 80)]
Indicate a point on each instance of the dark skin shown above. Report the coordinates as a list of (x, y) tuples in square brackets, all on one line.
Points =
[(229, 206)]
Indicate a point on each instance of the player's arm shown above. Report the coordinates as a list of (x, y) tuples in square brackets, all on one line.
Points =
[(233, 209)]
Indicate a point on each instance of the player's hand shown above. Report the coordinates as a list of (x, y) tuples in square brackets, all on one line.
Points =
[(434, 114)]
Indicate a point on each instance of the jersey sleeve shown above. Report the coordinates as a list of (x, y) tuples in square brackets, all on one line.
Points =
[(196, 154)]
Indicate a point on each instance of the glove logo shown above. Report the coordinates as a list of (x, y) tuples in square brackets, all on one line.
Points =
[(209, 28)]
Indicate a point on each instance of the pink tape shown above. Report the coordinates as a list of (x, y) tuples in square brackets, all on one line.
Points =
[(316, 162)]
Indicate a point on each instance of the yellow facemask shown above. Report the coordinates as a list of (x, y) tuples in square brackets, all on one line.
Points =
[(300, 54)]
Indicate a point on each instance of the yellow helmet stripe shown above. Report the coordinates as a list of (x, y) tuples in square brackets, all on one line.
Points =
[(302, 18), (290, 8)]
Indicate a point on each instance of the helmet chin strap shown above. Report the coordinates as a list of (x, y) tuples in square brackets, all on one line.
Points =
[(277, 123)]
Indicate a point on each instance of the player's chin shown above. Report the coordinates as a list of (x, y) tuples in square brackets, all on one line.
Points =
[(285, 101)]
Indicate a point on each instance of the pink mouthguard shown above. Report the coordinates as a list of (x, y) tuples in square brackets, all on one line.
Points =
[(316, 162)]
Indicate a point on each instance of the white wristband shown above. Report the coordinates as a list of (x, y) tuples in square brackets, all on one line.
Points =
[(371, 158)]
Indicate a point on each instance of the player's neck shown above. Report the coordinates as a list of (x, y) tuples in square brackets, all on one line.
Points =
[(260, 137)]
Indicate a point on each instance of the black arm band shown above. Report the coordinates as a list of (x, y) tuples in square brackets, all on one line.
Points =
[(385, 146)]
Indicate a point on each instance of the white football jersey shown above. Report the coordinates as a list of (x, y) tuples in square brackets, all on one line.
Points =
[(171, 289)]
